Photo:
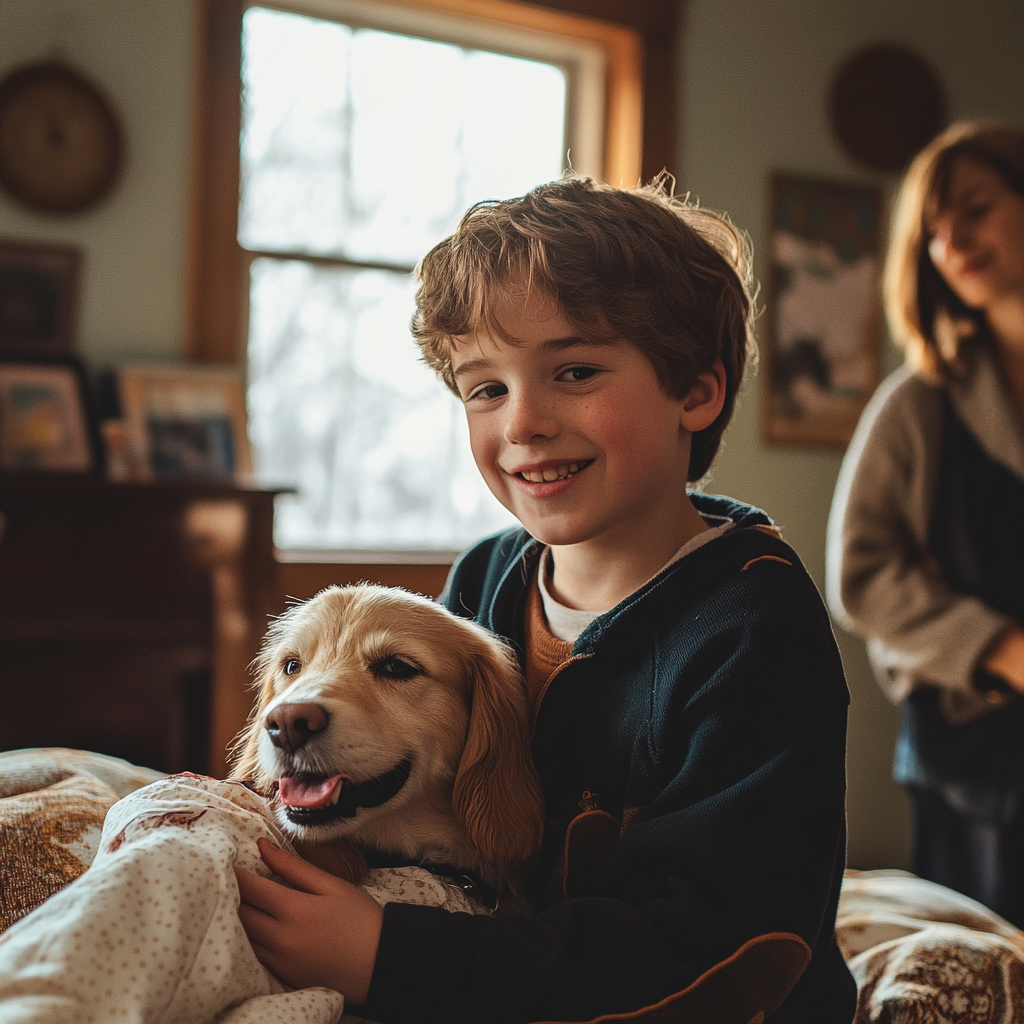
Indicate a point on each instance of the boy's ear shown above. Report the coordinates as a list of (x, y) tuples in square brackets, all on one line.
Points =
[(700, 408)]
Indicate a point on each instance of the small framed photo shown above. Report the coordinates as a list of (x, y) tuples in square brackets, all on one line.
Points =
[(46, 423), (186, 423), (821, 336), (38, 298)]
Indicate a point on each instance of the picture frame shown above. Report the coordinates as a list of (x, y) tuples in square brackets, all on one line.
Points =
[(821, 335), (38, 298), (47, 424), (186, 423)]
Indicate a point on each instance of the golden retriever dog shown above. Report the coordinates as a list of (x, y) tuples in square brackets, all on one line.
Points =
[(387, 726)]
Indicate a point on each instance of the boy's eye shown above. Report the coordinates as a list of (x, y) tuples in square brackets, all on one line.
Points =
[(487, 392), (575, 374)]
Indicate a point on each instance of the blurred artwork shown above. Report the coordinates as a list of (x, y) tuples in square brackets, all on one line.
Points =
[(43, 420), (821, 340), (38, 298), (185, 423)]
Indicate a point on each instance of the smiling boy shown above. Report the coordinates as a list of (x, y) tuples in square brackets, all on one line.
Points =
[(689, 703), (578, 439)]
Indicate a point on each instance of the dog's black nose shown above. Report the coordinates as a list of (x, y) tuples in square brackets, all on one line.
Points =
[(289, 726)]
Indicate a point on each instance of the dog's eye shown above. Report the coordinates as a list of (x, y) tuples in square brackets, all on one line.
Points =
[(394, 668), (291, 666)]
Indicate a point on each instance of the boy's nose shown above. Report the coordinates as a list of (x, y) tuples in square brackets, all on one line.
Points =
[(528, 419)]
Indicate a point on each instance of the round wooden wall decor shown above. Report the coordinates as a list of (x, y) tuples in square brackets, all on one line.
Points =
[(885, 104), (60, 142)]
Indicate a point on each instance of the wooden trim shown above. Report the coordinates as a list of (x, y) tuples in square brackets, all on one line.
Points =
[(640, 129), (624, 117), (302, 580), (624, 100), (216, 285), (659, 25), (661, 89)]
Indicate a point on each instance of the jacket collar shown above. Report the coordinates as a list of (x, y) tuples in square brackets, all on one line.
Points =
[(522, 551)]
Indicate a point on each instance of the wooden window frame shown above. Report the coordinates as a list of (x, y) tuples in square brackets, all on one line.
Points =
[(639, 39), (639, 134)]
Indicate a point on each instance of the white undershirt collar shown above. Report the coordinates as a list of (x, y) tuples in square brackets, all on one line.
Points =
[(567, 623)]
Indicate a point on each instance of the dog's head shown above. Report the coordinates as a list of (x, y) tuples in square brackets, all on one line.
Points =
[(384, 719)]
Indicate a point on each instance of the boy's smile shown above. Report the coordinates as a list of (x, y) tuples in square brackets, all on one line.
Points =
[(541, 476), (576, 437)]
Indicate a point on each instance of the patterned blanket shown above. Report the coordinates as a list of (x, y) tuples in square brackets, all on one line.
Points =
[(924, 954), (149, 931)]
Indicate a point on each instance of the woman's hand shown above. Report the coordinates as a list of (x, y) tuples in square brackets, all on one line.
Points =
[(321, 932), (1005, 658)]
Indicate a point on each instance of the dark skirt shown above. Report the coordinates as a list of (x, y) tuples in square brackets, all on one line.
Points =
[(978, 858)]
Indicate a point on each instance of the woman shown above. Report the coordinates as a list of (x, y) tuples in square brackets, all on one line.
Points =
[(926, 535)]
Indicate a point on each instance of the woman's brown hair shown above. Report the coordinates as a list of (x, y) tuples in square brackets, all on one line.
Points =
[(636, 264), (925, 316)]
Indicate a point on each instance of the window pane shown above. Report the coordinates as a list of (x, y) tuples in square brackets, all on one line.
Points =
[(294, 143), (370, 145), (340, 407)]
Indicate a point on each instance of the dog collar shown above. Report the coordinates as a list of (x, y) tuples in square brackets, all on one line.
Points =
[(469, 882)]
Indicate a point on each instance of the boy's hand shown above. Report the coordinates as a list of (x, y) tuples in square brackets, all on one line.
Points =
[(321, 932)]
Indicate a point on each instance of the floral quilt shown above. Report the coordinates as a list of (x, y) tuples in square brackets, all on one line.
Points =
[(149, 930), (138, 920)]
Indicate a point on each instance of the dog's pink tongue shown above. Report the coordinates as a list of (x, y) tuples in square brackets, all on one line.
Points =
[(296, 793)]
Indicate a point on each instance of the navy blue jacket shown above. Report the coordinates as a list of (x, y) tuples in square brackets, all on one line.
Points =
[(695, 743)]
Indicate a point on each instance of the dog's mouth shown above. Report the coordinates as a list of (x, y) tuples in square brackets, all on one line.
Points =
[(315, 799)]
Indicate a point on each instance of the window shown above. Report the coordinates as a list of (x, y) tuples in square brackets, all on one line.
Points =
[(360, 149), (366, 130)]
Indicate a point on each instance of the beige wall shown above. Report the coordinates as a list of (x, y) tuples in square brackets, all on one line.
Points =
[(754, 86), (755, 74), (139, 53)]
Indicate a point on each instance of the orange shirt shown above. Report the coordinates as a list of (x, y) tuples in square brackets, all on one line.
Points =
[(545, 653)]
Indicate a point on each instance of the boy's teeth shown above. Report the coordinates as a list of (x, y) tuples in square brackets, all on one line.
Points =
[(548, 476)]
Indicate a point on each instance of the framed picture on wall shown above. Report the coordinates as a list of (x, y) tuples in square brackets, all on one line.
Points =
[(45, 420), (38, 298), (821, 336), (186, 423)]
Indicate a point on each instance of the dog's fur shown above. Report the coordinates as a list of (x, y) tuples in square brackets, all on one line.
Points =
[(399, 679)]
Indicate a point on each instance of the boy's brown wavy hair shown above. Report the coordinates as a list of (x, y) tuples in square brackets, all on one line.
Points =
[(637, 264)]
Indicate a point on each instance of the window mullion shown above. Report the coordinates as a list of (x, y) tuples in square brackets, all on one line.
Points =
[(331, 261)]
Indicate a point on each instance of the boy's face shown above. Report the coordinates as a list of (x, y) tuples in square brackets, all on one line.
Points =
[(577, 439)]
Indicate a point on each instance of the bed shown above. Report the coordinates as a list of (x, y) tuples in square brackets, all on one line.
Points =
[(920, 953)]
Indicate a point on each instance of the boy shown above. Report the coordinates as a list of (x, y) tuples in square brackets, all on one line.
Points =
[(689, 701)]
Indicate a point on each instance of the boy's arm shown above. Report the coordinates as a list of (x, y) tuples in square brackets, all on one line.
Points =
[(745, 836)]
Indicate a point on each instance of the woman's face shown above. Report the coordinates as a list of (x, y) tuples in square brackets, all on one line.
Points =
[(976, 240)]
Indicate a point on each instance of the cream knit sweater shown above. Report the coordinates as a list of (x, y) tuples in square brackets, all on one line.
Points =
[(881, 583)]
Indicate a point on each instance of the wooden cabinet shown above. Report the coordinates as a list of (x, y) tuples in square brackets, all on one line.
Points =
[(129, 614)]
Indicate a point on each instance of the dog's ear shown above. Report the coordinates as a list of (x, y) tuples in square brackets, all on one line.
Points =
[(497, 793)]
